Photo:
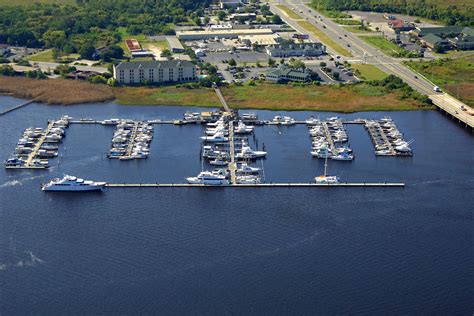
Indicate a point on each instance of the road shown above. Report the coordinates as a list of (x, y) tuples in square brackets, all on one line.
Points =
[(364, 52), (45, 66)]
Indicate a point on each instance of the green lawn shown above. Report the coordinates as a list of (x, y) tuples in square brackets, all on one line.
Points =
[(324, 38), (289, 12), (454, 75), (383, 44), (142, 39), (346, 21), (369, 72), (45, 56), (358, 29)]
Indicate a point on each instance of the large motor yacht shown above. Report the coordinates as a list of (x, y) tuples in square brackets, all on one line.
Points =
[(72, 184)]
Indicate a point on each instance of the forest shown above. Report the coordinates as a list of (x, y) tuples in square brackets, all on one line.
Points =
[(87, 24), (441, 10)]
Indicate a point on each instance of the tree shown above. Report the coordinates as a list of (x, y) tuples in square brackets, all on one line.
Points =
[(297, 64), (335, 75), (166, 53), (56, 54), (323, 64), (113, 51), (271, 62), (206, 20), (7, 70), (98, 79), (276, 19), (221, 15), (56, 39), (232, 62), (87, 50)]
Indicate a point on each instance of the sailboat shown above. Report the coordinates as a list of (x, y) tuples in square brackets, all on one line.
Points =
[(325, 179)]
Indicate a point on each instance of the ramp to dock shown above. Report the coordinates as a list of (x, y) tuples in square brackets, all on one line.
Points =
[(15, 107)]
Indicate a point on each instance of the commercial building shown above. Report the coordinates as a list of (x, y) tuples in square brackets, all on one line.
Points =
[(210, 34), (285, 74), (442, 31), (295, 50), (174, 44), (432, 41), (260, 40), (446, 37), (155, 72), (398, 26), (229, 3), (243, 17)]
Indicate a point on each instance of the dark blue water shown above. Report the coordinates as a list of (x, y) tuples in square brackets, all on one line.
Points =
[(238, 251)]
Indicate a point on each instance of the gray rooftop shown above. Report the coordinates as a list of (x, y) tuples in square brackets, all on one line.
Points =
[(154, 64)]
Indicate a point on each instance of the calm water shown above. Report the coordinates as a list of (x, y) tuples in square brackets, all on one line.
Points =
[(238, 251)]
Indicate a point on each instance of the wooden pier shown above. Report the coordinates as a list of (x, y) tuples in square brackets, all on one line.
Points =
[(329, 138), (40, 142), (259, 185), (15, 107)]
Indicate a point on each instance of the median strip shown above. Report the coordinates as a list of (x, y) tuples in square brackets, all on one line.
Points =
[(325, 39)]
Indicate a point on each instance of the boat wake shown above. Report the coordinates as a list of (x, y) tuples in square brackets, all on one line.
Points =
[(30, 261), (16, 182)]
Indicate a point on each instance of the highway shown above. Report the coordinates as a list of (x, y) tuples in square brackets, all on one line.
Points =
[(364, 52)]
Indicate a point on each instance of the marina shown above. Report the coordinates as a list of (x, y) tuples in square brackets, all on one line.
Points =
[(226, 147), (37, 146)]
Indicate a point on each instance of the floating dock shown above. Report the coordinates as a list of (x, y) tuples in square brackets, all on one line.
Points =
[(258, 185)]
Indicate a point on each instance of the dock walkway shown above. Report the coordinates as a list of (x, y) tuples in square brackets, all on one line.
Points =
[(232, 164), (15, 107), (40, 142), (329, 138), (257, 185)]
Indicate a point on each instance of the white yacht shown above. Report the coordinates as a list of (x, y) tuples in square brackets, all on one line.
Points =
[(72, 184), (246, 169), (282, 120), (208, 178), (247, 153), (216, 138), (248, 179), (14, 162), (241, 128)]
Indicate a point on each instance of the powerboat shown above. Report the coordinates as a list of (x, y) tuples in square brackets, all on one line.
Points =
[(343, 157), (241, 128), (216, 138), (245, 168), (73, 184), (247, 153), (208, 178), (248, 179)]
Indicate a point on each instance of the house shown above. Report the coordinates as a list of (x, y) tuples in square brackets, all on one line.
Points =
[(400, 26), (432, 41), (290, 49), (285, 74), (167, 71)]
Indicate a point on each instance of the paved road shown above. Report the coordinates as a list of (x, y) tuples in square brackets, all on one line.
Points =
[(51, 66), (371, 55)]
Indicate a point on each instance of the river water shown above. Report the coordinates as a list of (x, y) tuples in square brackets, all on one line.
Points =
[(238, 251)]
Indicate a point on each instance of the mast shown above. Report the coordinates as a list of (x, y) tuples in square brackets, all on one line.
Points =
[(326, 163)]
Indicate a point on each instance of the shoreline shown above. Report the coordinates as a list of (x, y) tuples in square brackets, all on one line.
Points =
[(345, 99)]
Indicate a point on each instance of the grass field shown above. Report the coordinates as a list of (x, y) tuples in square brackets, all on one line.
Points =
[(47, 56), (369, 72), (383, 44), (359, 29), (324, 38), (166, 96), (273, 97), (456, 76), (289, 12), (346, 21)]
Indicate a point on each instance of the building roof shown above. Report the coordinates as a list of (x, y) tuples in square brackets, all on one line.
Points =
[(154, 64), (285, 71), (423, 31), (174, 42), (295, 46), (433, 39), (463, 39), (468, 31), (224, 32), (267, 39)]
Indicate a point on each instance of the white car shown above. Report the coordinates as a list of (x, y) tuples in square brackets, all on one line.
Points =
[(436, 89)]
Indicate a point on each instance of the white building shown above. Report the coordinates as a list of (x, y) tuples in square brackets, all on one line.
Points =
[(155, 72), (229, 3), (211, 34)]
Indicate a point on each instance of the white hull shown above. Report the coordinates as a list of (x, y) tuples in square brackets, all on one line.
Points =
[(84, 188), (217, 182)]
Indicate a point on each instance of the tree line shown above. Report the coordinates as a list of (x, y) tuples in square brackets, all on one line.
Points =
[(449, 14), (71, 28)]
